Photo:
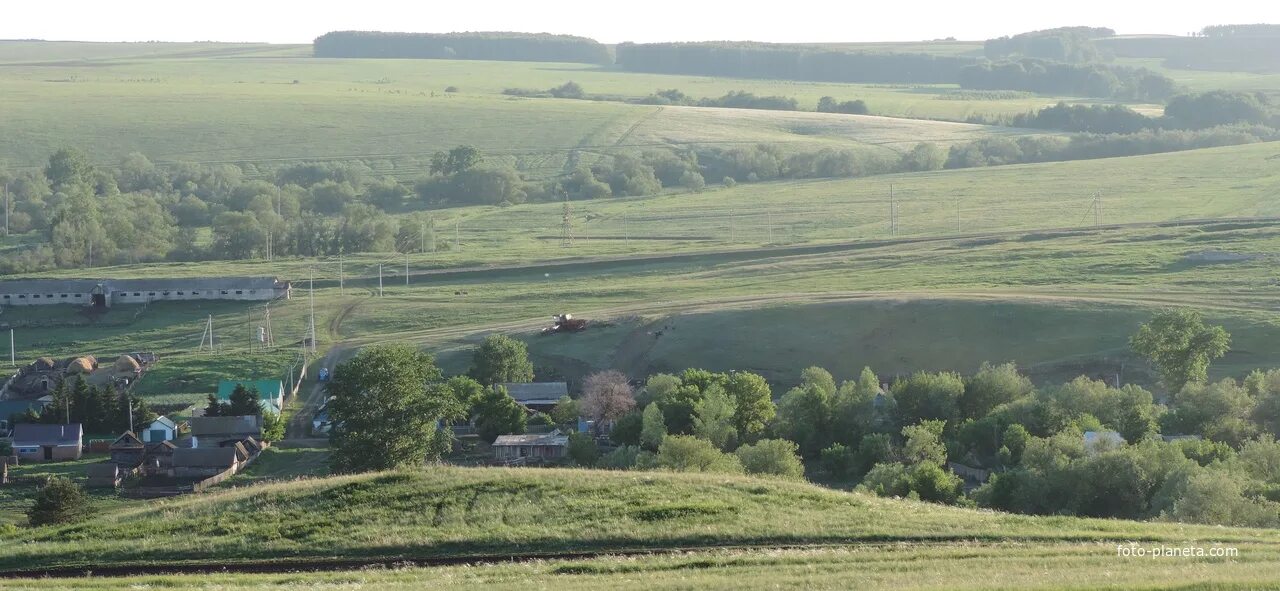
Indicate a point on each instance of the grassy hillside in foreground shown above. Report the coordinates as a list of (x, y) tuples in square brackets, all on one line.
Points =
[(895, 567), (446, 511)]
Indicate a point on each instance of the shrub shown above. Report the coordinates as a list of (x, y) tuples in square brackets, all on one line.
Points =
[(582, 449), (684, 453), (773, 457), (59, 501), (622, 458)]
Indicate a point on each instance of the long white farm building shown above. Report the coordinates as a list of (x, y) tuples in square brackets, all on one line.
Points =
[(108, 292)]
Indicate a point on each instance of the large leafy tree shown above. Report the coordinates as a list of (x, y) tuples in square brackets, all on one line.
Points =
[(1180, 345), (753, 403), (713, 418), (386, 403), (607, 396), (501, 359), (498, 414)]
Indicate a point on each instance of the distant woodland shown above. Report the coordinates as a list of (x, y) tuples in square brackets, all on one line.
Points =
[(525, 47)]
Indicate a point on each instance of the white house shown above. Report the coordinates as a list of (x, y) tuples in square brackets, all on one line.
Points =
[(161, 429)]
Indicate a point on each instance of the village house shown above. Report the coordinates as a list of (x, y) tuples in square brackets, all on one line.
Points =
[(161, 429), (270, 392), (104, 293), (517, 448), (157, 458), (209, 432), (127, 451), (539, 396), (36, 442)]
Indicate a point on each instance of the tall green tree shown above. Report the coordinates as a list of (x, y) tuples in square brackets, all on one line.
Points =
[(653, 428), (753, 403), (499, 414), (386, 403), (244, 402), (1180, 345), (713, 418), (501, 359)]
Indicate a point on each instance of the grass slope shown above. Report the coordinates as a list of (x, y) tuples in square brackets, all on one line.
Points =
[(252, 103), (454, 512), (896, 567)]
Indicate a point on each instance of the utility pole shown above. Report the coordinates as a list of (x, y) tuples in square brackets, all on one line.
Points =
[(1097, 209), (893, 213), (268, 246), (406, 268), (957, 216), (457, 235), (311, 296), (770, 226), (13, 355), (566, 225), (342, 290), (6, 208), (379, 279), (626, 234)]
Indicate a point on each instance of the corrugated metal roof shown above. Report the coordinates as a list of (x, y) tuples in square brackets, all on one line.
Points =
[(267, 389), (204, 457), (551, 439), (41, 286), (245, 425), (536, 391), (35, 434)]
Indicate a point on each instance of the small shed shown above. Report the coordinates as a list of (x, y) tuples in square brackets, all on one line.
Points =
[(546, 446), (1095, 441), (161, 429), (204, 462), (127, 450), (104, 475), (157, 458)]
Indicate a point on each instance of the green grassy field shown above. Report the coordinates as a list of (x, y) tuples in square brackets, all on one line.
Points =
[(256, 104), (483, 511), (1060, 304), (892, 567)]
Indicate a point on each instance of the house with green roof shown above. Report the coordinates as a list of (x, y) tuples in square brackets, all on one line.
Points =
[(270, 392)]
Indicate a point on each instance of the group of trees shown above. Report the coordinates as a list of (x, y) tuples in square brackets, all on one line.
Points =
[(894, 440), (1196, 111), (138, 211), (789, 62), (1050, 77), (100, 409), (1072, 45), (506, 46)]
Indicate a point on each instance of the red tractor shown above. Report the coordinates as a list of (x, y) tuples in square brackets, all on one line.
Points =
[(565, 323)]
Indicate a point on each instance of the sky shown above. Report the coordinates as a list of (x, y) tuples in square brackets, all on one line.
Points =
[(293, 21)]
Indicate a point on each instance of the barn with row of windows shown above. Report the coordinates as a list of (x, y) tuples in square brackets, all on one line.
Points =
[(108, 292)]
